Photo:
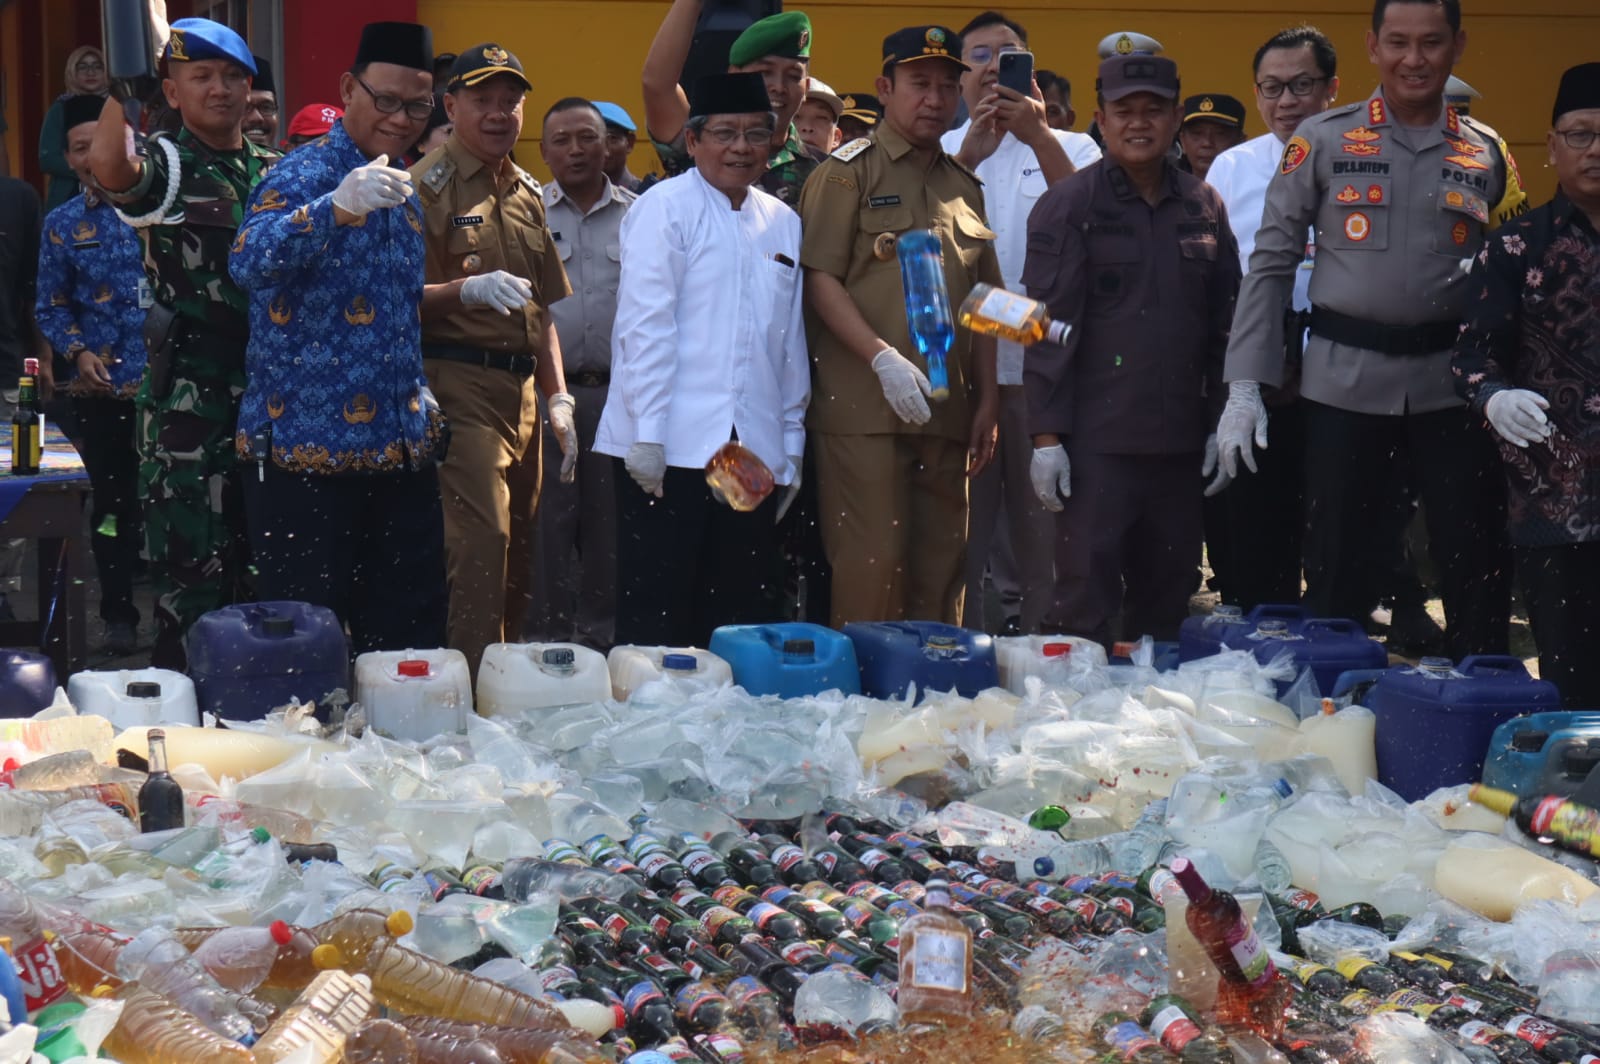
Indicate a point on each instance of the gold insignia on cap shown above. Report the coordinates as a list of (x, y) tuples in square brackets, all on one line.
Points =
[(496, 56), (1207, 105), (849, 103), (1124, 45), (804, 39), (935, 35), (175, 47)]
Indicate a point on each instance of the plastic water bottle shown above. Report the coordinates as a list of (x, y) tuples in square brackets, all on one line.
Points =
[(844, 999), (158, 960), (1272, 868), (927, 303)]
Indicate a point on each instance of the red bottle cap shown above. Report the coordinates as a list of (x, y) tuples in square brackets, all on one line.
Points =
[(412, 668), (281, 932)]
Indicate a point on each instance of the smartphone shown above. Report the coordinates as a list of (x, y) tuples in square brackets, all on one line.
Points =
[(1016, 71)]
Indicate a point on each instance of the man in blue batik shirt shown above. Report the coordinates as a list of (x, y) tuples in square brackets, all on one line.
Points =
[(91, 307), (338, 431)]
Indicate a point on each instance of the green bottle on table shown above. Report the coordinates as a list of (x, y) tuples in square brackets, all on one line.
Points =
[(27, 426)]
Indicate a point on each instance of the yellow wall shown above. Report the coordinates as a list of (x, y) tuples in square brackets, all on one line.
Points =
[(1516, 49)]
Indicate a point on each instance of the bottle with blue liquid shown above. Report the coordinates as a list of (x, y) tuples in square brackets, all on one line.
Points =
[(927, 304)]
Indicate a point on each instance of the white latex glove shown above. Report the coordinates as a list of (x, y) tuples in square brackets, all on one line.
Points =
[(904, 385), (1243, 420), (1518, 415), (791, 491), (1209, 466), (503, 291), (1051, 474), (372, 187), (647, 465), (562, 409)]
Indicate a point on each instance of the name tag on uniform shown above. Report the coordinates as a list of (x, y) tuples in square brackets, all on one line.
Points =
[(883, 201), (147, 298), (84, 245), (466, 221)]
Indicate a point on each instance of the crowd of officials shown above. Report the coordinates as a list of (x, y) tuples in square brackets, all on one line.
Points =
[(389, 372)]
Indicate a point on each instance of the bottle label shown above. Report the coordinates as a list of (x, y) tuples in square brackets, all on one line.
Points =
[(1460, 1001), (745, 989), (697, 861), (1120, 881), (639, 845), (552, 978), (1123, 906), (1409, 958), (871, 858), (787, 856), (857, 913), (796, 952), (721, 1046), (1004, 308), (563, 852), (619, 865), (777, 894), (39, 974), (685, 895), (717, 916), (596, 845), (940, 960), (1351, 967), (692, 997), (1478, 1032), (729, 894), (1252, 958), (652, 863), (1301, 899), (641, 994), (1407, 998), (1129, 1039), (827, 859), (659, 925), (657, 963), (1532, 1029), (1161, 881), (1359, 1002), (1575, 825), (586, 924), (1173, 1028), (1083, 906), (1308, 971), (480, 878), (614, 925), (763, 913)]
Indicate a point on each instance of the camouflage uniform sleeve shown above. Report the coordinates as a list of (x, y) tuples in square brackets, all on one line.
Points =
[(159, 174), (287, 225), (674, 156), (53, 308)]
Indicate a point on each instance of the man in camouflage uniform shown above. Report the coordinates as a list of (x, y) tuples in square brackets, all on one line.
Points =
[(778, 48), (185, 194)]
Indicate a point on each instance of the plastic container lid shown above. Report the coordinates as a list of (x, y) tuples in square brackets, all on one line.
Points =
[(1226, 612), (260, 834), (1056, 650), (276, 627), (144, 689), (559, 656), (1273, 628), (411, 667), (281, 932), (1438, 666), (943, 641), (680, 662)]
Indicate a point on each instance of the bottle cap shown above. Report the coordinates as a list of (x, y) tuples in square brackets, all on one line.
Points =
[(1227, 612), (281, 932), (1056, 650), (399, 923), (276, 627), (261, 835), (156, 733), (412, 667), (327, 956), (143, 689), (1441, 666), (30, 366), (1273, 627), (559, 656), (1502, 802), (679, 662)]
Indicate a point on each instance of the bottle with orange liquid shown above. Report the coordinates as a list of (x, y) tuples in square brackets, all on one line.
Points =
[(1250, 991), (935, 961), (322, 1017), (291, 969), (154, 1030), (513, 1044), (380, 1042), (408, 981), (739, 477)]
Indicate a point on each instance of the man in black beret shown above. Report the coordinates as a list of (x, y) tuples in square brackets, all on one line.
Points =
[(1528, 360)]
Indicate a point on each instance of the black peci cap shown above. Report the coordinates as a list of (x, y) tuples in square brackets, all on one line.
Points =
[(402, 43)]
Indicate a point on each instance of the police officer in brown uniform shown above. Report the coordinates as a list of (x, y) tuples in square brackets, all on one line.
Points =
[(1138, 257), (891, 468), (488, 340)]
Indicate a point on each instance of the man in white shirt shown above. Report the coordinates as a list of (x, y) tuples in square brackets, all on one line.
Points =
[(1295, 78), (1009, 144), (707, 346)]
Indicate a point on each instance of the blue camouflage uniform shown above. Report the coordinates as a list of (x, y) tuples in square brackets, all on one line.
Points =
[(337, 429)]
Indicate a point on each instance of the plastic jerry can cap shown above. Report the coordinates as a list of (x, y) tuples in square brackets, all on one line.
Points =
[(942, 641), (276, 627), (680, 662), (1056, 650), (1226, 611), (1273, 627), (559, 657), (1437, 666), (144, 689), (412, 667)]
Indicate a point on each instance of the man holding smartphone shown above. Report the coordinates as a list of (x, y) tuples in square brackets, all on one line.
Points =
[(1009, 143)]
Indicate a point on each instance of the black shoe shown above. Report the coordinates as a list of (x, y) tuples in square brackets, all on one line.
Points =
[(1413, 632), (122, 638)]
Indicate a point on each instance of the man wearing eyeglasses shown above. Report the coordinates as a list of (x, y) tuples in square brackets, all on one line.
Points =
[(185, 195), (1527, 361), (261, 113), (489, 344), (708, 346), (1403, 192), (337, 420), (1296, 76)]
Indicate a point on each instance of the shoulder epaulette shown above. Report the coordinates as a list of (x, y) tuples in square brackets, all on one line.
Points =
[(439, 174), (849, 151)]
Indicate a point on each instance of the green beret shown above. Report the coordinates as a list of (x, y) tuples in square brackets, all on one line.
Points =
[(787, 35)]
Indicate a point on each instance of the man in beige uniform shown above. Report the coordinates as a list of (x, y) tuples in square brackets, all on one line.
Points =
[(891, 470), (493, 270)]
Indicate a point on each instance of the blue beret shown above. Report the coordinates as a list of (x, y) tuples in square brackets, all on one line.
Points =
[(194, 39), (615, 115)]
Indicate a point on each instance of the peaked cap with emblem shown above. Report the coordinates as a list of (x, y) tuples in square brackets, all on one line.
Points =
[(786, 35), (404, 44), (922, 42), (1214, 107), (864, 107), (196, 39), (1127, 42), (477, 65)]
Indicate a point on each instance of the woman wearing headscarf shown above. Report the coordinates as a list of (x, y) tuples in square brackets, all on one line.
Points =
[(86, 76)]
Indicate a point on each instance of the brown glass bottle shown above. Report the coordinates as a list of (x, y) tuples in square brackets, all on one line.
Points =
[(935, 962)]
